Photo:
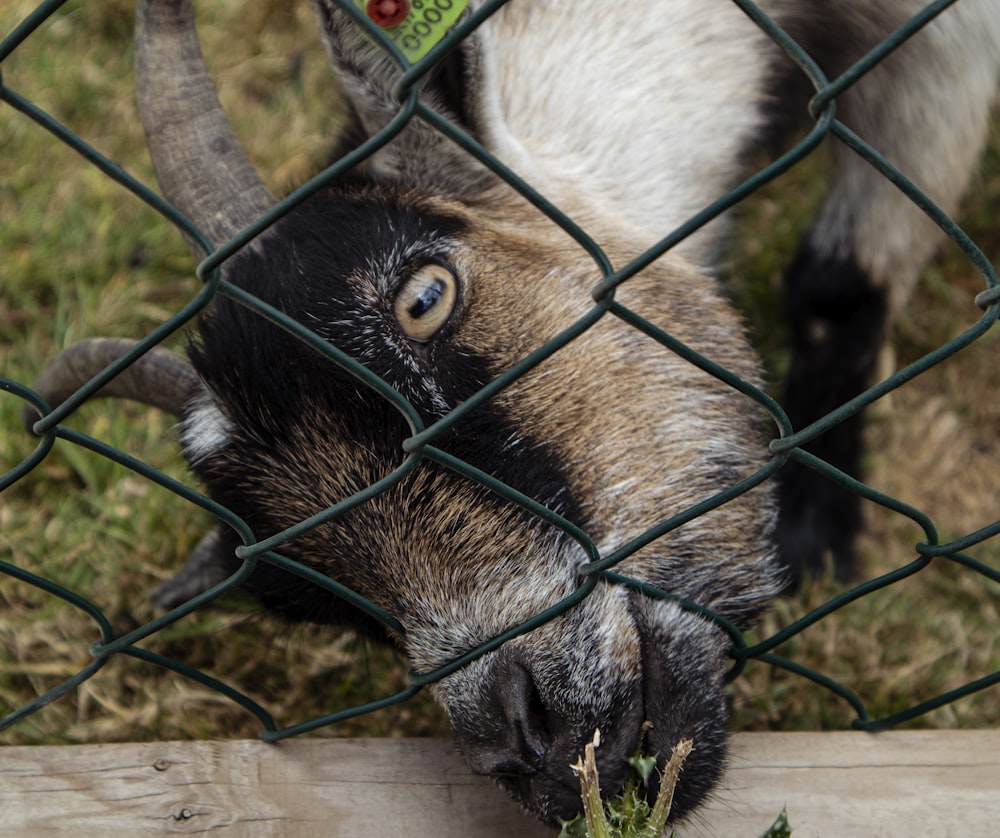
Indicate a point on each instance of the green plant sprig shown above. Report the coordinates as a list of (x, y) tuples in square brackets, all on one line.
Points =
[(629, 815)]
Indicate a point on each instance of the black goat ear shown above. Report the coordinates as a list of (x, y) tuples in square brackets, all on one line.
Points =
[(461, 88)]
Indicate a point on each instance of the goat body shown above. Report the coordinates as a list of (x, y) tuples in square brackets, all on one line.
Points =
[(433, 273)]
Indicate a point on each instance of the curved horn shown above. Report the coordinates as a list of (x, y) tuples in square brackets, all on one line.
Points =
[(199, 163), (160, 378)]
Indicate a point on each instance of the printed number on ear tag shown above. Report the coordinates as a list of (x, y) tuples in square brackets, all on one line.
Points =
[(414, 25)]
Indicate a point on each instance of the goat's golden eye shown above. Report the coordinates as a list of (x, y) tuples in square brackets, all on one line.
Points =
[(426, 301)]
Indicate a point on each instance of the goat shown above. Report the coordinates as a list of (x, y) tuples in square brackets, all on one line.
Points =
[(427, 268)]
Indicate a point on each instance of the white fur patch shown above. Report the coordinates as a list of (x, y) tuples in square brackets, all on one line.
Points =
[(205, 429)]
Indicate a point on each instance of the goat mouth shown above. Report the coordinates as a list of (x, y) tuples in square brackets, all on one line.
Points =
[(524, 721), (540, 777), (528, 747), (679, 695), (553, 794), (550, 789)]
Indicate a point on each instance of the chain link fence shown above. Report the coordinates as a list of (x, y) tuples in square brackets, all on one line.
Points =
[(54, 433)]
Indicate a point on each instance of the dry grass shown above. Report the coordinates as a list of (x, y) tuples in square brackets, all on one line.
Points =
[(81, 257), (933, 444)]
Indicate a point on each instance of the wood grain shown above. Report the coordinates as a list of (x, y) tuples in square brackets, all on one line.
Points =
[(939, 783)]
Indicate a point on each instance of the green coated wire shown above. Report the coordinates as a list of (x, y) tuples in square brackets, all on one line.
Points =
[(420, 445)]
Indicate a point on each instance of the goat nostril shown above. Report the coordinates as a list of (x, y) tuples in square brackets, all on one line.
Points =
[(526, 729), (509, 732)]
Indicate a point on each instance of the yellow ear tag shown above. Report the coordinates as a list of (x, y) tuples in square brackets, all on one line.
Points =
[(414, 25)]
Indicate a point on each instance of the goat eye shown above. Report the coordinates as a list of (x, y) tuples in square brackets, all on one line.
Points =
[(426, 301)]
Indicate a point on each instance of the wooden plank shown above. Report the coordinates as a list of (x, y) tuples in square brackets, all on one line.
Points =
[(939, 783), (897, 783)]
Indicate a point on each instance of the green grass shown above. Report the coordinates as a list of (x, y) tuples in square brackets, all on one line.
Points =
[(80, 256), (931, 444)]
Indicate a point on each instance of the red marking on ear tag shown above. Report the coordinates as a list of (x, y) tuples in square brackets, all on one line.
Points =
[(387, 13)]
